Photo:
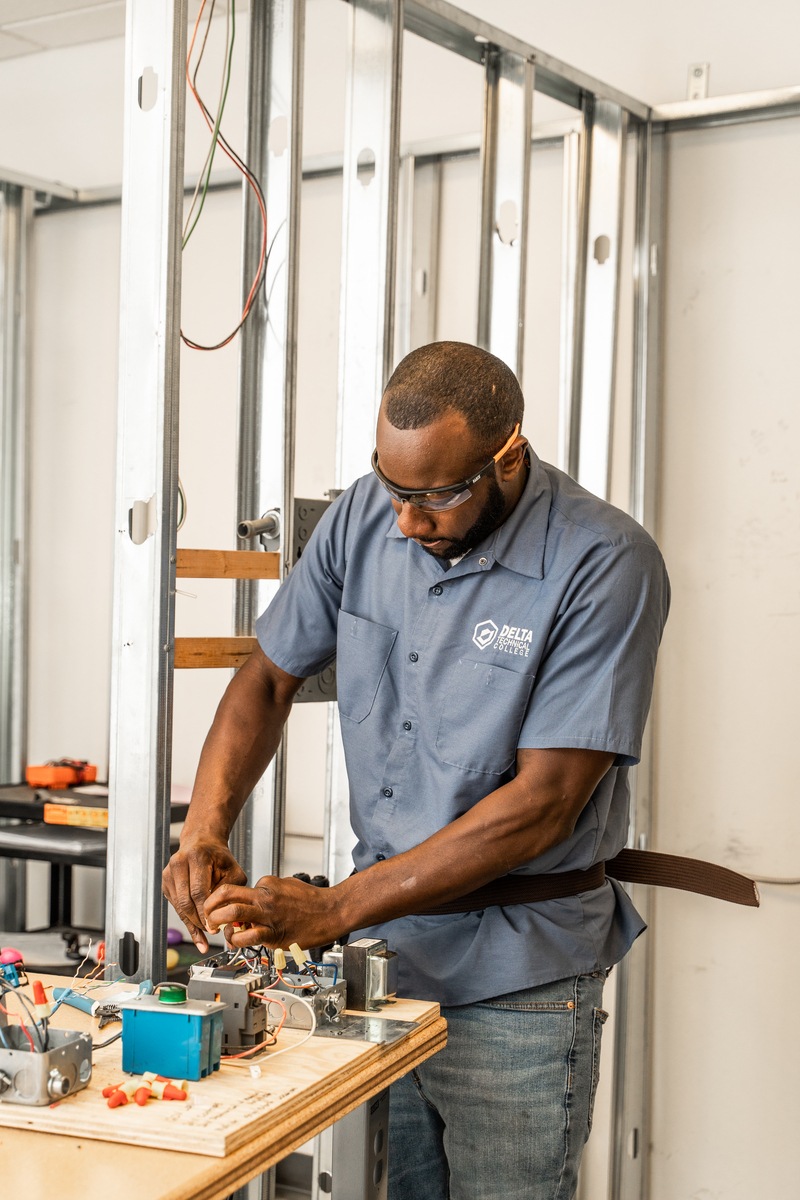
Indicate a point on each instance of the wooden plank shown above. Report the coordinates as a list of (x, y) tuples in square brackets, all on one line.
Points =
[(252, 1121), (227, 564), (212, 651)]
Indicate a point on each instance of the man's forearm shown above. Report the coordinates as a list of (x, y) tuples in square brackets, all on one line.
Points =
[(513, 825), (243, 738), (518, 822)]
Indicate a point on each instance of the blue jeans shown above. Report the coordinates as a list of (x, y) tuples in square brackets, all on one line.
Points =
[(506, 1108)]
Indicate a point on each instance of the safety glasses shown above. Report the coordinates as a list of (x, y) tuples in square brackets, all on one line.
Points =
[(443, 498)]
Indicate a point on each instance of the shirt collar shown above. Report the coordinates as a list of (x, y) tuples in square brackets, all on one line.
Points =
[(519, 542)]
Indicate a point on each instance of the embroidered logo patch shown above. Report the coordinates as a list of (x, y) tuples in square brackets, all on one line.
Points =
[(485, 633), (511, 639)]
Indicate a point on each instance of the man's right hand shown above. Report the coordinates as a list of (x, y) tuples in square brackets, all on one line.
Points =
[(193, 872)]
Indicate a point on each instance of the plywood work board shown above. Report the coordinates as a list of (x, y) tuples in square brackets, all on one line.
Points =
[(233, 1126)]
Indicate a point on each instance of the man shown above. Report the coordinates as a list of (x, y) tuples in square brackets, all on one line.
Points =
[(495, 629)]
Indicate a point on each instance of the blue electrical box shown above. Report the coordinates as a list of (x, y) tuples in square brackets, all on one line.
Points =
[(178, 1038)]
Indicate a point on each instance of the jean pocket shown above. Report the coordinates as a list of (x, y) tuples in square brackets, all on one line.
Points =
[(362, 652), (481, 716), (599, 1018)]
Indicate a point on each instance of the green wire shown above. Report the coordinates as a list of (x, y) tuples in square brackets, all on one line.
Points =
[(207, 179)]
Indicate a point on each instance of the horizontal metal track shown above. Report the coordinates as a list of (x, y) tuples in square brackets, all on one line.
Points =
[(728, 110), (448, 26)]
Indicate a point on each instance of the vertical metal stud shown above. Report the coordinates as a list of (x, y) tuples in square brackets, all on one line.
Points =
[(419, 210), (16, 215), (633, 1017), (371, 166), (505, 174), (601, 288), (147, 486), (371, 160), (371, 169), (573, 258), (268, 365)]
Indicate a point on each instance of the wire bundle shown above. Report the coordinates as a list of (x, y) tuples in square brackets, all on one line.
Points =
[(218, 139)]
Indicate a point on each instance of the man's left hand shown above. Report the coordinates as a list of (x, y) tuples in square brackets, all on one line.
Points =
[(274, 913)]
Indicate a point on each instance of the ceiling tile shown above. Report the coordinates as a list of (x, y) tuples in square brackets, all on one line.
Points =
[(30, 10), (74, 28)]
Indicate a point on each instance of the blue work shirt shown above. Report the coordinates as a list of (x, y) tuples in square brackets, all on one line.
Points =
[(544, 636)]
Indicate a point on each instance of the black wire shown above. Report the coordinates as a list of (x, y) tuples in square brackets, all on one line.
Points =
[(107, 1042)]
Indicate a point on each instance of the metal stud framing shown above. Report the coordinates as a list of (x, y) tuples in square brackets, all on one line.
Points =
[(371, 176), (608, 125), (505, 175), (268, 369), (16, 210), (147, 485), (633, 1018)]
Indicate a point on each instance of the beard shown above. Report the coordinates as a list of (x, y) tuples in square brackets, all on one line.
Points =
[(487, 520)]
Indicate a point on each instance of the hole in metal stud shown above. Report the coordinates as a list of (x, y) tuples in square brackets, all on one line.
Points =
[(507, 223), (602, 249), (365, 168), (278, 135), (148, 89)]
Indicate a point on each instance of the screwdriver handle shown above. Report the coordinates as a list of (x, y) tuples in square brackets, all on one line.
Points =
[(84, 1003)]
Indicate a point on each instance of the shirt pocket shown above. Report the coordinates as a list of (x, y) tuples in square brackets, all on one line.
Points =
[(362, 652), (481, 716)]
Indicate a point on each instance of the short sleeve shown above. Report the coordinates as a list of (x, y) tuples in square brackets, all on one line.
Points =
[(595, 680), (298, 629)]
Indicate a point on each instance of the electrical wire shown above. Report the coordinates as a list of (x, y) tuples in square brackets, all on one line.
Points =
[(24, 1029), (296, 986), (231, 1058), (310, 1034), (218, 139), (7, 988), (204, 177), (101, 1045)]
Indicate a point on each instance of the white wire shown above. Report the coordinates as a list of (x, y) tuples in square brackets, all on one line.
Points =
[(296, 1045), (774, 879)]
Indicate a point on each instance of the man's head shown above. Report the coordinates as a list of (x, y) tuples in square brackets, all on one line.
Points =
[(448, 411)]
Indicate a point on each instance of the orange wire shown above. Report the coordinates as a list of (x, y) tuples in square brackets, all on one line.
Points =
[(261, 1045), (295, 986), (262, 257)]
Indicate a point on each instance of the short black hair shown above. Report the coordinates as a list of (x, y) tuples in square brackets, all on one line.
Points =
[(455, 376)]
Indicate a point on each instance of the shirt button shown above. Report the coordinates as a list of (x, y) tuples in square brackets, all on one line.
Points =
[(413, 656), (406, 725), (380, 857), (388, 792), (437, 591), (482, 562)]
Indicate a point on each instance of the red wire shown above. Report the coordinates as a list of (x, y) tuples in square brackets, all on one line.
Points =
[(24, 1028), (262, 257)]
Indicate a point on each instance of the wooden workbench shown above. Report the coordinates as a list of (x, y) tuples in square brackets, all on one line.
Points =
[(258, 1120)]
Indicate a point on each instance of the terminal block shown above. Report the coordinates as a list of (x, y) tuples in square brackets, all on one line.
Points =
[(244, 1020)]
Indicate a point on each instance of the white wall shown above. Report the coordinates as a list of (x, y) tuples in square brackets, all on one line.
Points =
[(725, 1112), (726, 761)]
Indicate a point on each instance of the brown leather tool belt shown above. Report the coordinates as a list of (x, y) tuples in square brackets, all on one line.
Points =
[(629, 866)]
